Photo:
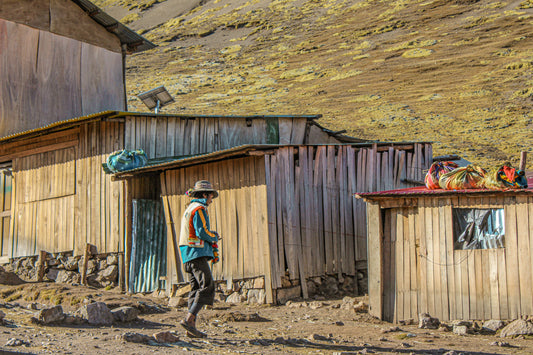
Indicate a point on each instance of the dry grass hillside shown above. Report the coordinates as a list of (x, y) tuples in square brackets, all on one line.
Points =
[(455, 72)]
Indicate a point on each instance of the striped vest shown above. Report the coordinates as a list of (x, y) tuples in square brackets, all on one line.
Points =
[(188, 234)]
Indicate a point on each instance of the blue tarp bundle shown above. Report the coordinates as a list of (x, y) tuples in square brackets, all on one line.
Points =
[(125, 160)]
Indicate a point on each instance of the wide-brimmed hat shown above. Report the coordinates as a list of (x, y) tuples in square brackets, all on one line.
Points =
[(201, 187)]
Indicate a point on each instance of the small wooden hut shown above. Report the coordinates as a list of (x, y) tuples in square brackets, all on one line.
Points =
[(60, 59), (283, 208), (56, 197), (418, 262)]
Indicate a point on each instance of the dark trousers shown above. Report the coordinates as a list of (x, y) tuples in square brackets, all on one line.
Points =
[(201, 281)]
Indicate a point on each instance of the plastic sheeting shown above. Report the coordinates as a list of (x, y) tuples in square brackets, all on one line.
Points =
[(149, 246), (478, 228)]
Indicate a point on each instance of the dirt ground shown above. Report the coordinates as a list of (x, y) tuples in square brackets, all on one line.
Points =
[(299, 327)]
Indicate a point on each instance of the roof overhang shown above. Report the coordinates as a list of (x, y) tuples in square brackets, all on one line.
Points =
[(133, 41)]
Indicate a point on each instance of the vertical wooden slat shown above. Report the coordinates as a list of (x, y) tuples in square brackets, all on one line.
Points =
[(524, 254), (319, 165), (414, 288), (375, 236), (422, 256), (447, 227), (401, 265), (443, 266), (271, 260), (430, 236), (511, 248)]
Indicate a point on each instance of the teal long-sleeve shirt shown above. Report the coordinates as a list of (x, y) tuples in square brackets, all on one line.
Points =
[(203, 231)]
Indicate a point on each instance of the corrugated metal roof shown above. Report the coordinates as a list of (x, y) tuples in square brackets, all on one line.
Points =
[(60, 124), (423, 191), (117, 114), (135, 42), (235, 152)]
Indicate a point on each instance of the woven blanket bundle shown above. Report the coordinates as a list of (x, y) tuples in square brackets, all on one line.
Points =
[(469, 177), (436, 170)]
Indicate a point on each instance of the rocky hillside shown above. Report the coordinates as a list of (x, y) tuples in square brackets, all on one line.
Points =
[(455, 72)]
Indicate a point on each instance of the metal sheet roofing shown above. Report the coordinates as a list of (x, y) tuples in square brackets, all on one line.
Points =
[(424, 191), (135, 42), (117, 114)]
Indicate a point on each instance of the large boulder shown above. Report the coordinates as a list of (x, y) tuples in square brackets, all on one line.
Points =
[(428, 322), (67, 277), (97, 313), (285, 294), (51, 315), (518, 327), (257, 296), (125, 314), (9, 278), (71, 263), (110, 273)]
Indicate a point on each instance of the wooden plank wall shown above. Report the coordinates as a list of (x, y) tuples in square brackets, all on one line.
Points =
[(453, 284), (29, 55), (175, 136), (239, 215), (63, 199), (100, 202), (314, 220)]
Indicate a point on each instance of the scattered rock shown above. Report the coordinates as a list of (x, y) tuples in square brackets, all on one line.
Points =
[(177, 302), (360, 307), (16, 342), (339, 323), (182, 291), (74, 319), (125, 314), (2, 316), (110, 273), (462, 330), (68, 277), (256, 296), (71, 263), (166, 337), (51, 315), (518, 327), (33, 306), (240, 317), (136, 338), (52, 274), (391, 329), (112, 259), (348, 300), (285, 294), (9, 278), (428, 322), (235, 297), (97, 314), (493, 325), (502, 344), (318, 337), (316, 304)]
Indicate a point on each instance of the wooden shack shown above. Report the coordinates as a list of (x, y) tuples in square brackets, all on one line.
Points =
[(418, 265), (56, 196), (283, 208), (60, 59)]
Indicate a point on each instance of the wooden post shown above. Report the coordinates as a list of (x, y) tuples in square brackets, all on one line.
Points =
[(121, 271), (523, 158), (86, 255), (42, 265)]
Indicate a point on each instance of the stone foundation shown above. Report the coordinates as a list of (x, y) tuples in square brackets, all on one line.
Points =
[(252, 291), (102, 269)]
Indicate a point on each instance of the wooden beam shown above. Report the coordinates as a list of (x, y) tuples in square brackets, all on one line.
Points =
[(41, 265), (523, 159)]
